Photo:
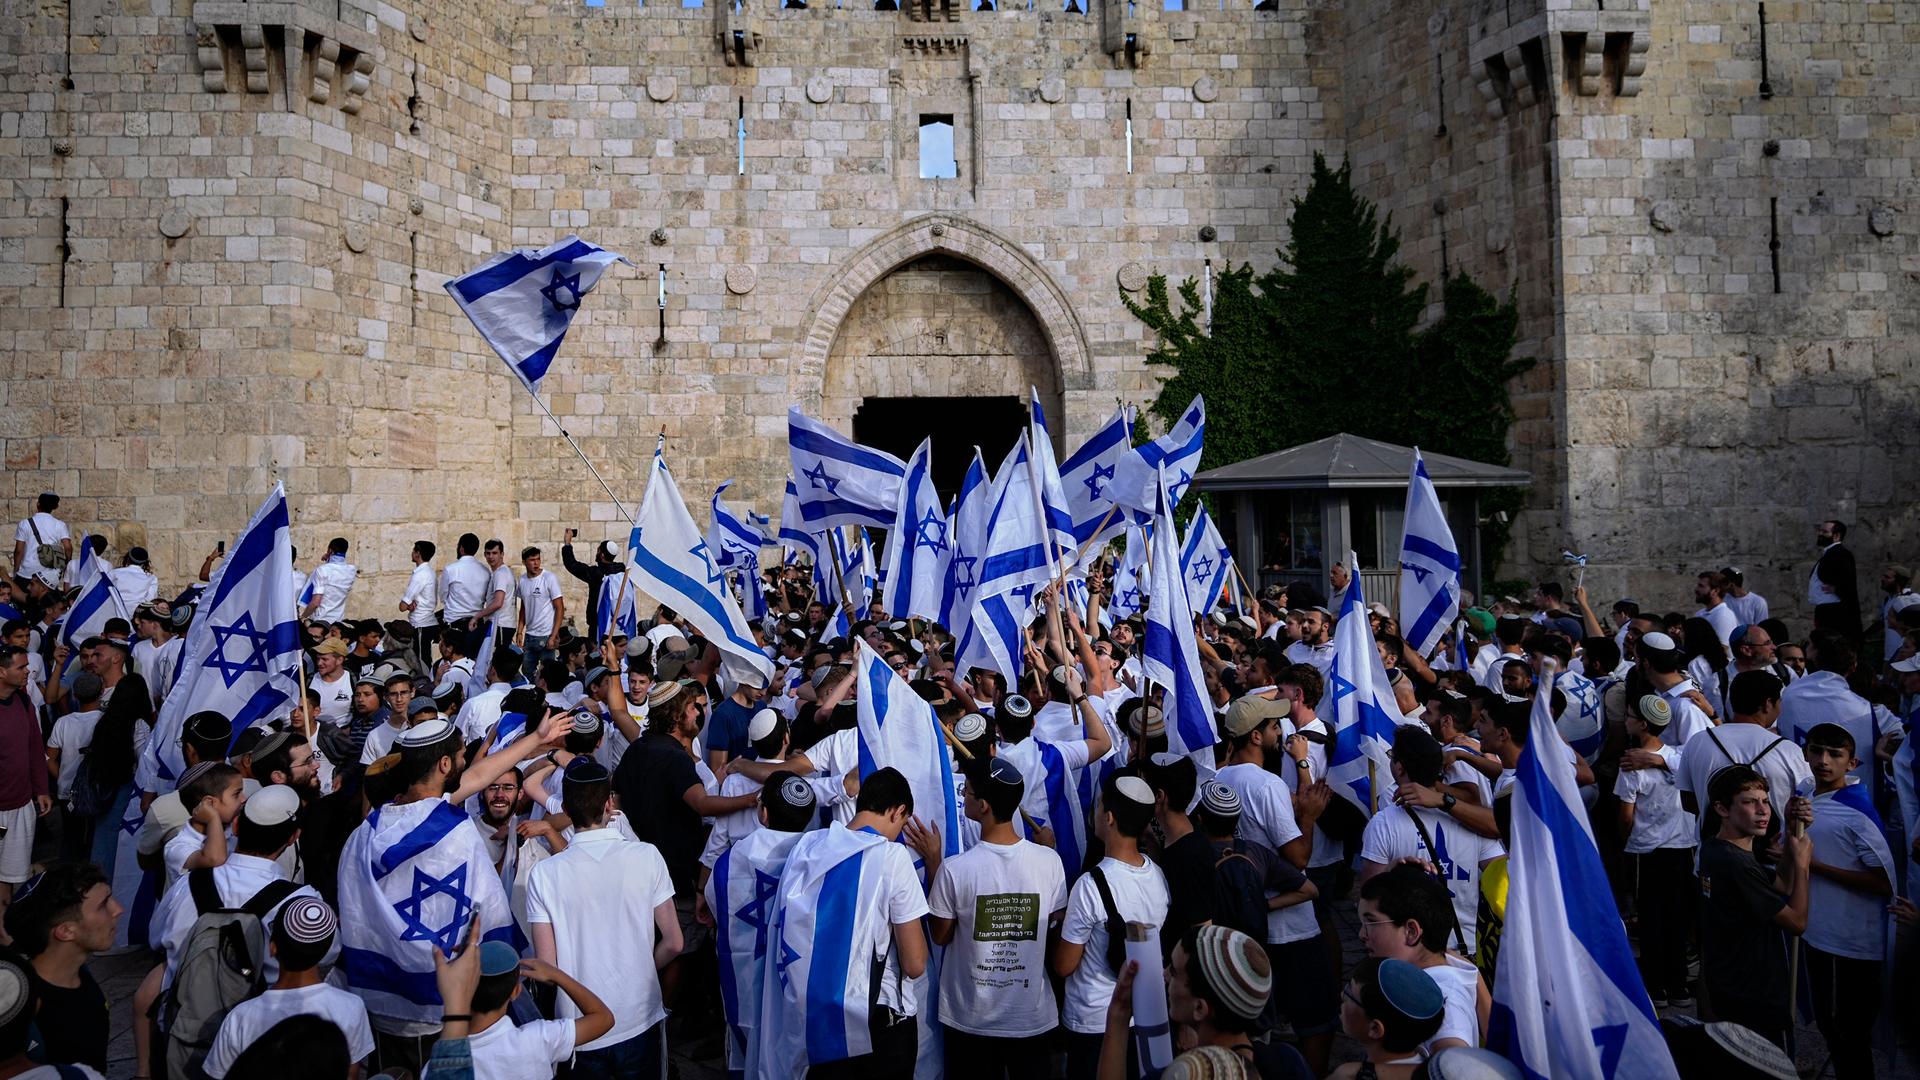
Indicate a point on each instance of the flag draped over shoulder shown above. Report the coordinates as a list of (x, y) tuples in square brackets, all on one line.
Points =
[(837, 481), (816, 988), (1429, 565), (523, 301), (412, 878), (1568, 1002), (897, 730), (1169, 655), (242, 654), (669, 561), (1358, 703), (918, 545), (742, 894), (1205, 562)]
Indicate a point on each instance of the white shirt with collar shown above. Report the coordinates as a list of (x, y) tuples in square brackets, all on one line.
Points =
[(1723, 619), (481, 712), (599, 896), (332, 581), (463, 587), (1320, 656), (238, 879), (423, 592), (135, 585)]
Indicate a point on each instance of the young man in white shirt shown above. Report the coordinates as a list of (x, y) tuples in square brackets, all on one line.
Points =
[(603, 910), (301, 936), (1710, 592), (1747, 738), (1431, 836), (332, 580), (463, 592), (542, 610), (1661, 838), (38, 528), (1125, 888), (997, 907), (1824, 696), (499, 610), (66, 748), (1852, 880), (420, 602), (1406, 914), (331, 681), (504, 1050)]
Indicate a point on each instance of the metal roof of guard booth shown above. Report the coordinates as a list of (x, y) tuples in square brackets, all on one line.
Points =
[(1349, 461), (1287, 510)]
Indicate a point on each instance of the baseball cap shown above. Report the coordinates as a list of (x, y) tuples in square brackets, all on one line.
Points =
[(331, 647), (1909, 665), (1248, 713)]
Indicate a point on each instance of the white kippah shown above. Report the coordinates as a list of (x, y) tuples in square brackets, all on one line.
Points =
[(1135, 789), (762, 724), (425, 733), (796, 792), (970, 727)]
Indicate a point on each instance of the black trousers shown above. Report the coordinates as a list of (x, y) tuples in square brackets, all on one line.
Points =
[(1846, 1002), (1666, 895), (896, 1043), (989, 1057)]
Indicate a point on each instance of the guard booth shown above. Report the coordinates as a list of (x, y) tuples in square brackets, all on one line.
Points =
[(1291, 514)]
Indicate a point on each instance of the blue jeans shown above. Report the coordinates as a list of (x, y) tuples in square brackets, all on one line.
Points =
[(106, 831), (535, 654), (636, 1059)]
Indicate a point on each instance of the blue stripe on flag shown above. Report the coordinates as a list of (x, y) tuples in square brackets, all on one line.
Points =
[(534, 367), (832, 950), (1061, 808), (696, 591), (377, 973), (481, 282), (254, 548), (723, 941), (1420, 545), (852, 453), (443, 820), (1439, 606)]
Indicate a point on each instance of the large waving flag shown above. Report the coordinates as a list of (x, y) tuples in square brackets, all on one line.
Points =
[(1568, 1001), (1084, 479), (1130, 577), (1047, 474), (731, 537), (1178, 451), (98, 602), (918, 546), (741, 894), (897, 730), (816, 990), (669, 561), (793, 528), (412, 878), (242, 656), (837, 481), (1429, 565), (967, 532), (1013, 564), (1205, 563), (523, 301), (1358, 703), (1169, 655)]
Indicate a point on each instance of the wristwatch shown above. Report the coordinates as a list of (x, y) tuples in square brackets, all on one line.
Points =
[(1302, 763), (1447, 802)]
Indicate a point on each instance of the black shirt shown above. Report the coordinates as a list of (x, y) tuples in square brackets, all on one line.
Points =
[(72, 1022), (1743, 954), (1188, 866), (652, 783)]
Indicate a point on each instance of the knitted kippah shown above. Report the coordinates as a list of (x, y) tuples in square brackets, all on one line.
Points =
[(425, 733), (1236, 969), (305, 919), (1655, 710), (584, 722), (970, 727), (796, 792), (1017, 706), (15, 991), (195, 772), (1206, 1063), (1219, 800)]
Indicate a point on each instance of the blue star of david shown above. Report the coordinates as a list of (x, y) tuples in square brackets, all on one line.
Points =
[(1589, 706), (933, 532), (963, 582), (413, 909), (787, 955), (558, 282), (131, 826), (256, 657), (1611, 1041), (818, 476), (1202, 569), (1025, 593), (1100, 472), (754, 914), (1130, 598), (1419, 572), (1180, 486), (699, 551)]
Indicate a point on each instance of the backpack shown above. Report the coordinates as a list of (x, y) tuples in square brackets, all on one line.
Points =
[(222, 964), (1239, 896), (87, 798), (50, 556)]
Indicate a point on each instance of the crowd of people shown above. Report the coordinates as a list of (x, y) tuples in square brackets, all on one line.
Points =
[(598, 842)]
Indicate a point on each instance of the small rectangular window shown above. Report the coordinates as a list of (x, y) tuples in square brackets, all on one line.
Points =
[(936, 147)]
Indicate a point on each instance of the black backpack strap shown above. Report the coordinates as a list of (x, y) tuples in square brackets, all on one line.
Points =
[(269, 898), (1770, 748), (1453, 918), (1116, 926), (206, 894)]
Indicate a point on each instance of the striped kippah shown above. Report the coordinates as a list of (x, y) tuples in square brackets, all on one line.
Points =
[(1220, 800), (584, 722), (970, 727), (796, 792), (1655, 710), (1206, 1063), (1236, 969), (305, 919), (195, 772)]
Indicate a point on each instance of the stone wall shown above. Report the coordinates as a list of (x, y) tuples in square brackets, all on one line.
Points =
[(222, 243)]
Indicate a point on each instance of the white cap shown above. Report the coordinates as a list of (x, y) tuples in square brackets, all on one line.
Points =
[(274, 804), (762, 724), (1658, 642), (1134, 789), (1909, 665), (425, 733)]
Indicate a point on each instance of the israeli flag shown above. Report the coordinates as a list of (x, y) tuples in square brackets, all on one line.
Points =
[(742, 894), (1358, 703), (732, 537), (1178, 451), (793, 528), (1169, 656), (98, 602), (1085, 478), (1205, 563), (1429, 565), (137, 890), (669, 561), (1568, 1001), (1583, 723), (1047, 477), (1012, 566), (918, 546), (619, 610), (897, 730), (838, 481), (412, 878), (522, 301), (967, 531), (753, 593), (1129, 578), (242, 656), (826, 582), (817, 984)]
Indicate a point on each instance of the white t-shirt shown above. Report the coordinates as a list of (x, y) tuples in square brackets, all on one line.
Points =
[(1326, 850), (52, 531), (1002, 897), (1459, 983), (1688, 720), (1722, 618), (71, 735), (254, 1017), (1266, 818), (599, 895), (1457, 851), (1840, 920), (463, 587), (500, 580), (336, 697), (1744, 744), (537, 592), (507, 1051), (1659, 821), (423, 592), (1319, 656), (1751, 608), (1139, 895), (380, 741), (332, 581)]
